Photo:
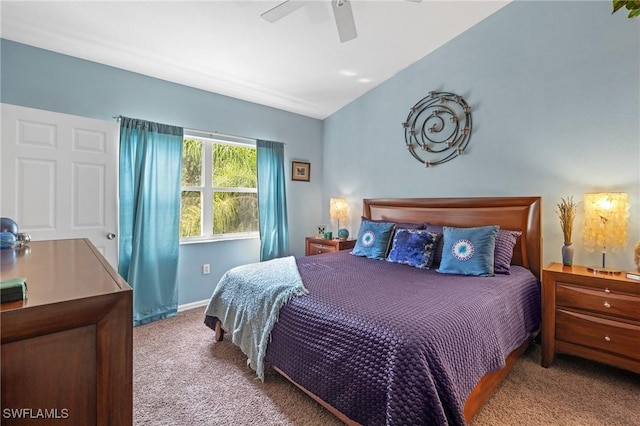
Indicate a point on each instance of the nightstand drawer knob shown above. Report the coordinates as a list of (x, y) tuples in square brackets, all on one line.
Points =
[(606, 290), (607, 305), (607, 338)]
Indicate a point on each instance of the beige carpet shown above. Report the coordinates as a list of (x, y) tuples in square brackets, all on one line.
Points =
[(181, 377)]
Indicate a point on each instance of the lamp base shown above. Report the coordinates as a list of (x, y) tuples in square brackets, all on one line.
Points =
[(603, 270)]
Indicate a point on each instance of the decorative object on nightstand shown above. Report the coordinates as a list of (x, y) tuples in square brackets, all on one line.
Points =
[(605, 224), (339, 211), (321, 230), (567, 213), (593, 316), (343, 234)]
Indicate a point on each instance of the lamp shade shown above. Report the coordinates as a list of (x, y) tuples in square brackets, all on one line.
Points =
[(339, 210), (606, 217)]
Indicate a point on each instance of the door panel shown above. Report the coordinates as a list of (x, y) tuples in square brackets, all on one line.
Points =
[(35, 207), (59, 176)]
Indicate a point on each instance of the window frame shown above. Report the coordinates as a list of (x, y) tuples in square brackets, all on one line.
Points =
[(207, 190)]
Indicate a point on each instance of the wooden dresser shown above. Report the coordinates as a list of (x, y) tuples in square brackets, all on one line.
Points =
[(67, 348), (590, 315), (314, 245)]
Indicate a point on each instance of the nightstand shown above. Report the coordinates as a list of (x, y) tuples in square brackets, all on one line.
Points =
[(315, 245), (590, 315)]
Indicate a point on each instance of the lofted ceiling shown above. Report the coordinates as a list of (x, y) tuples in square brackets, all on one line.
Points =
[(297, 64)]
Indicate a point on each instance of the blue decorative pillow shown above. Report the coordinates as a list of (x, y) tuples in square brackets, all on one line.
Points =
[(414, 247), (468, 251), (373, 239), (505, 242)]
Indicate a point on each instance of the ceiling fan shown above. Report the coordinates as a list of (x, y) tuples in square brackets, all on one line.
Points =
[(342, 13)]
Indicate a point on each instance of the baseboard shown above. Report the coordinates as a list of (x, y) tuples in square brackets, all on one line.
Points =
[(193, 305)]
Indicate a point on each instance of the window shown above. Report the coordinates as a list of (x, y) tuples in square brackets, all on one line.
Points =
[(219, 189)]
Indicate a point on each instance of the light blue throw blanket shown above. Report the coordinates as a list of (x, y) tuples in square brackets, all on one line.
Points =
[(247, 300)]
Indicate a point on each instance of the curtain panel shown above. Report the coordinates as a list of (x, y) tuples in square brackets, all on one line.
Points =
[(150, 184), (272, 200)]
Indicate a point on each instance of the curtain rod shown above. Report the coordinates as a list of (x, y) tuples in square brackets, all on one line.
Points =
[(211, 133), (214, 133)]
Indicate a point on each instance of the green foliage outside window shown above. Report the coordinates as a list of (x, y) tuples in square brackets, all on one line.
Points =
[(191, 214), (191, 163), (233, 185)]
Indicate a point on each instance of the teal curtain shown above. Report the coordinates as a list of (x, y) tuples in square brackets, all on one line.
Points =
[(272, 200), (150, 184)]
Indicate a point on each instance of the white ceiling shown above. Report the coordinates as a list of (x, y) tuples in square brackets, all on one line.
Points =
[(296, 64)]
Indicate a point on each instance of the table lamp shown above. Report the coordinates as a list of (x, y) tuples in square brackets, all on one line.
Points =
[(605, 225), (339, 211)]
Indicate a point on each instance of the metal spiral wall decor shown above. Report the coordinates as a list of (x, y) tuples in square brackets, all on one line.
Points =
[(438, 128)]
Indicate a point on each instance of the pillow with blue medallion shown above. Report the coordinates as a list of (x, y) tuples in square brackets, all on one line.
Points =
[(468, 251), (373, 239), (414, 247)]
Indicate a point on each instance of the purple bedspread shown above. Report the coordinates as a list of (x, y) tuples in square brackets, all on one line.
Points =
[(391, 344)]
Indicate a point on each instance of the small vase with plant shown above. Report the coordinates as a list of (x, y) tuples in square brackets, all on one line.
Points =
[(566, 211)]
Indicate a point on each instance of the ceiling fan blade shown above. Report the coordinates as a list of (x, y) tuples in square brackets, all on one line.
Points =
[(282, 10), (344, 20)]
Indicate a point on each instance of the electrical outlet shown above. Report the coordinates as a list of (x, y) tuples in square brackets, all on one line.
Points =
[(205, 269)]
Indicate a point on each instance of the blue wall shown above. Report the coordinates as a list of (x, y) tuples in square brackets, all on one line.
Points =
[(555, 89), (46, 80)]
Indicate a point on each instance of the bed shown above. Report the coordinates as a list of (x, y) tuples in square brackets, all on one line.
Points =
[(378, 342)]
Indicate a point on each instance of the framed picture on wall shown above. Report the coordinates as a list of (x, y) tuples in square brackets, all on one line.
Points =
[(300, 171)]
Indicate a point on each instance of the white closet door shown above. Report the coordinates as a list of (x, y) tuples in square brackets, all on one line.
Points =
[(60, 175)]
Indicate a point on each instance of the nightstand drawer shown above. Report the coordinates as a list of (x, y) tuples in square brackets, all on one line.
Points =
[(315, 245), (315, 248), (600, 333), (597, 300)]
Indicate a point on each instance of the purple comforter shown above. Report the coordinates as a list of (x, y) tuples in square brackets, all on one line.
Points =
[(390, 344)]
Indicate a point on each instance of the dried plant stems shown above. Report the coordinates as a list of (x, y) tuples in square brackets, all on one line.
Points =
[(567, 213)]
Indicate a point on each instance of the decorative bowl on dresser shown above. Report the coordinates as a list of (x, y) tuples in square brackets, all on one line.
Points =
[(315, 245), (67, 354), (591, 315)]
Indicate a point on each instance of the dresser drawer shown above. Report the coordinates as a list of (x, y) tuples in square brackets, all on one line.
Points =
[(609, 303), (599, 333), (316, 248)]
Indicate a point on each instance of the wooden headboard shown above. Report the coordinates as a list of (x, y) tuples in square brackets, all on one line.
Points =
[(510, 213)]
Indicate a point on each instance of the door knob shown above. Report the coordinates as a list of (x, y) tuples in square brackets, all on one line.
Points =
[(111, 236)]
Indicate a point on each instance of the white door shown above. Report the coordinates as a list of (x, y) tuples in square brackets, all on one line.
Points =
[(59, 176)]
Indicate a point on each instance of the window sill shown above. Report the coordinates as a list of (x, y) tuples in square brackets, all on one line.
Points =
[(200, 240)]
